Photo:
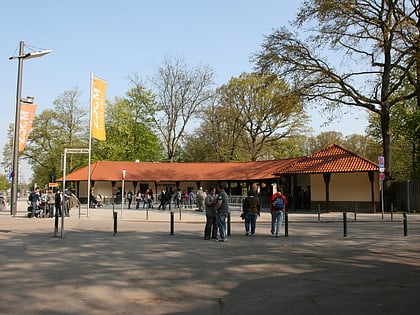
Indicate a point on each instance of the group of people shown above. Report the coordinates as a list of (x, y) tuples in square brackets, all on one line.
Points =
[(217, 211), (147, 199), (43, 205), (251, 210), (180, 199)]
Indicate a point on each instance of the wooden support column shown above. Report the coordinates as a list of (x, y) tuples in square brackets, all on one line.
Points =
[(371, 175), (327, 179)]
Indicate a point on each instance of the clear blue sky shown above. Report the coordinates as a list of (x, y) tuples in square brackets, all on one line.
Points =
[(115, 39)]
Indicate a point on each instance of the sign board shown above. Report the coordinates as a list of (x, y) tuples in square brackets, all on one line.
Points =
[(381, 162), (66, 150), (52, 185), (381, 176)]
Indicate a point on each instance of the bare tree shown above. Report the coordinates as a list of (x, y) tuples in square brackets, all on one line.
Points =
[(368, 34), (181, 92)]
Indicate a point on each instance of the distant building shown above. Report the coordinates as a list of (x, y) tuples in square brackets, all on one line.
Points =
[(333, 179)]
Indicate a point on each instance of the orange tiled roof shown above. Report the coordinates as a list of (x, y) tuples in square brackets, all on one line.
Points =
[(331, 159), (161, 172)]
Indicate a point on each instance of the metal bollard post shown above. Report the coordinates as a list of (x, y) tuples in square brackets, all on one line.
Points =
[(172, 223), (345, 223), (392, 211), (115, 222), (319, 212), (405, 223), (56, 224), (286, 224), (228, 224)]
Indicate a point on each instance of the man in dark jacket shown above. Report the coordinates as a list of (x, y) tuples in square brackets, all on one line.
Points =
[(251, 209), (222, 210), (35, 200)]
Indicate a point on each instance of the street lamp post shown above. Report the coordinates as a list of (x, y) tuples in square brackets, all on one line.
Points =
[(124, 171), (15, 163)]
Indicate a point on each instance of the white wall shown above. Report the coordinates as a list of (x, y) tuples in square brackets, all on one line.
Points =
[(344, 187)]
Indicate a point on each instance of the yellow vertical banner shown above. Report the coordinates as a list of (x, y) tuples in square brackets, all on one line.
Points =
[(97, 120), (27, 115)]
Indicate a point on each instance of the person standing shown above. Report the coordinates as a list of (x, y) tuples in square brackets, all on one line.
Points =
[(251, 209), (150, 198), (35, 200), (161, 198), (222, 210), (278, 206), (138, 199), (129, 198), (50, 203), (168, 198), (191, 198), (58, 203), (211, 224)]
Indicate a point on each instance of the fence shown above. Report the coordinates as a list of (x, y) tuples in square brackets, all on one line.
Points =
[(405, 196)]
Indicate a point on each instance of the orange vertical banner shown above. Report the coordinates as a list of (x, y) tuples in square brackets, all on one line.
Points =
[(27, 116), (97, 120)]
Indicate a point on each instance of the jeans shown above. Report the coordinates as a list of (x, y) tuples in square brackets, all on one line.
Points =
[(34, 207), (221, 222), (250, 220), (276, 221), (211, 227)]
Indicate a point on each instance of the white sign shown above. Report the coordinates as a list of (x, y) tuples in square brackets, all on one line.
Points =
[(76, 150)]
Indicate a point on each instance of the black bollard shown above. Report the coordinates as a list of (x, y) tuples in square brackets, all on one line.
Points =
[(345, 223), (56, 224), (286, 224), (172, 223), (228, 224), (319, 213), (405, 223), (115, 222), (392, 211)]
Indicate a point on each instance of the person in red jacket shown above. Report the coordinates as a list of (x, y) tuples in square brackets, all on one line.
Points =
[(278, 207)]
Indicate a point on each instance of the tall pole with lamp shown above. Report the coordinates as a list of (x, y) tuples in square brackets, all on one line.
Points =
[(15, 163)]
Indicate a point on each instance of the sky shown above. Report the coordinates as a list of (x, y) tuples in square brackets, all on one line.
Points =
[(116, 39)]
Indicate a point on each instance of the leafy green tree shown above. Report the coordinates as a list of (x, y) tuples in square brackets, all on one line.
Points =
[(405, 128), (364, 146), (287, 148), (316, 143), (129, 129), (263, 109), (4, 183), (253, 117), (8, 148), (53, 130)]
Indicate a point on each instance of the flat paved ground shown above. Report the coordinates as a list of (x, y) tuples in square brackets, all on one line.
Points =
[(145, 270)]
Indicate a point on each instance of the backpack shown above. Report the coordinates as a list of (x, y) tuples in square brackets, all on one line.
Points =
[(278, 203)]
